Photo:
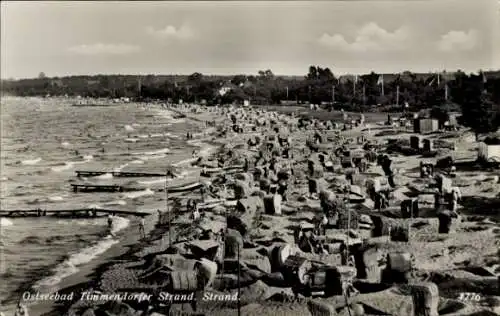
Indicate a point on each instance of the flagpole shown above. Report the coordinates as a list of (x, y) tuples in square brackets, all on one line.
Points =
[(445, 92), (364, 94), (354, 86), (382, 85), (397, 95), (333, 94), (484, 81), (139, 87), (287, 93), (168, 213)]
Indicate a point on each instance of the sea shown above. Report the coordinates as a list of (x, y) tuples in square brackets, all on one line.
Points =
[(43, 142)]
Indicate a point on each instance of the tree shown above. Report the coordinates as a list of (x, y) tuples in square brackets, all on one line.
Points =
[(239, 79), (42, 75), (195, 78), (266, 75), (479, 112)]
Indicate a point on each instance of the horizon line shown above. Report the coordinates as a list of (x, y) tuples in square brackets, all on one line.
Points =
[(246, 74)]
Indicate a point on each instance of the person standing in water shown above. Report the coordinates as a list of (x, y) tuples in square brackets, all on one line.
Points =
[(142, 231), (110, 223)]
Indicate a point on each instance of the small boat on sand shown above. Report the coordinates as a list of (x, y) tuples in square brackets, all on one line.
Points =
[(185, 187)]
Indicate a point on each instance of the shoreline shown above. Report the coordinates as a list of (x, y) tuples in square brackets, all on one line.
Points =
[(430, 259), (128, 244)]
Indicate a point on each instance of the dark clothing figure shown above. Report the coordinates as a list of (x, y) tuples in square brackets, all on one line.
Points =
[(110, 221), (282, 188), (142, 230), (445, 221), (390, 180)]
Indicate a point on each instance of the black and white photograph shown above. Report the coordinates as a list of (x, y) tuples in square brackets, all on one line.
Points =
[(250, 158)]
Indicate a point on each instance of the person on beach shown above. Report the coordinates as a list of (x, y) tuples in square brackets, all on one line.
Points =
[(142, 231), (110, 221), (196, 214), (160, 217)]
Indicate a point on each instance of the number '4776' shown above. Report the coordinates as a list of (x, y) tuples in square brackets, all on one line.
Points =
[(467, 296)]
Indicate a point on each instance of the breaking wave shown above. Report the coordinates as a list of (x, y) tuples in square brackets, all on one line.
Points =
[(5, 222), (31, 162), (104, 176), (134, 195), (71, 264)]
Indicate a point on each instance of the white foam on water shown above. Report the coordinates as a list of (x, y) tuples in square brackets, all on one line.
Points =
[(185, 173), (4, 179), (87, 158), (30, 162), (177, 121), (148, 182), (5, 222), (70, 266), (120, 168), (136, 125), (165, 115), (183, 162), (55, 198), (70, 164), (65, 144), (172, 135), (67, 165), (87, 222), (153, 153), (131, 140), (145, 158), (143, 136), (104, 176), (119, 223), (85, 255), (129, 128), (117, 202), (137, 162), (205, 151), (156, 135), (136, 194)]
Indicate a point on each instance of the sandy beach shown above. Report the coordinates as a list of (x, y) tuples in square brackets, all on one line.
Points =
[(447, 260)]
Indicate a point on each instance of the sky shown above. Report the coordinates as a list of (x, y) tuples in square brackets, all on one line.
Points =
[(243, 37)]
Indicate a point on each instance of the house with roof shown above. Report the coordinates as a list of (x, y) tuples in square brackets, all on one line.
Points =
[(225, 88)]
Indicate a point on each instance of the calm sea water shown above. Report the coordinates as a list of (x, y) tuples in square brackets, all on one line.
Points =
[(43, 142)]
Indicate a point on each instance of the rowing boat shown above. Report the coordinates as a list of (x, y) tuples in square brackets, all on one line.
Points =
[(186, 187), (212, 171)]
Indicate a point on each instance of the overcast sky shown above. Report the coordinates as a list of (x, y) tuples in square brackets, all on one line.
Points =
[(70, 38)]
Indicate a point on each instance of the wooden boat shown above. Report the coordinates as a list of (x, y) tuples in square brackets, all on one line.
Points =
[(210, 204), (207, 172), (235, 167), (210, 171), (186, 187)]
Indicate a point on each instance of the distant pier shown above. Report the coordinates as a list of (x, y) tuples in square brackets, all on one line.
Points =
[(97, 188), (116, 174), (69, 213)]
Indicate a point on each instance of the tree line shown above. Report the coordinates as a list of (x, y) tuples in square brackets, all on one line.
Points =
[(476, 95)]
